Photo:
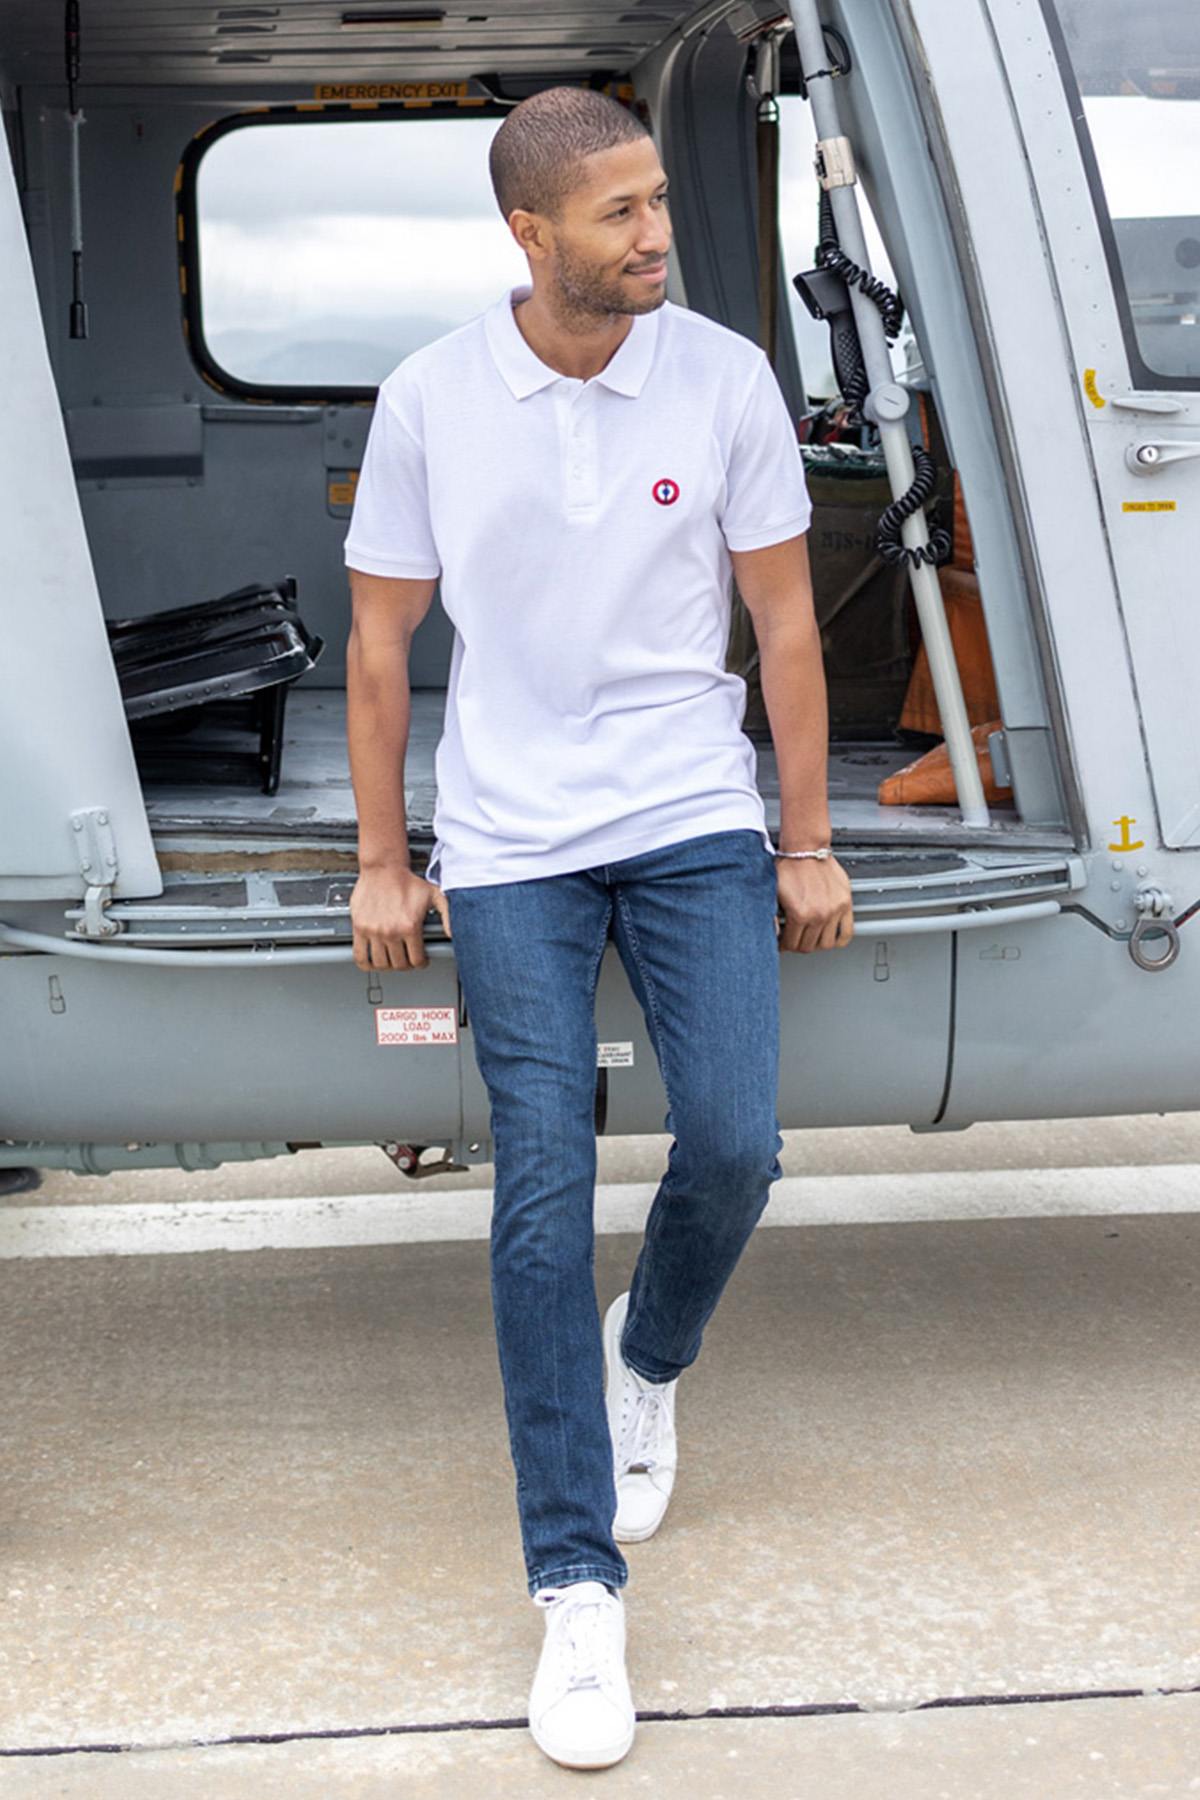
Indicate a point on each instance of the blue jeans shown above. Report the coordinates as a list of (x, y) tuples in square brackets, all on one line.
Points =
[(694, 926)]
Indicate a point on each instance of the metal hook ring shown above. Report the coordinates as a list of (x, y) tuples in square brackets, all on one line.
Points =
[(1144, 928)]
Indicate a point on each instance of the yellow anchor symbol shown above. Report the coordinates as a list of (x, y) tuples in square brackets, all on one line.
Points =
[(1125, 822)]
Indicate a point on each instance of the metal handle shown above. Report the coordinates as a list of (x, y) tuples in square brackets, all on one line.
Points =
[(344, 953), (963, 921), (199, 959), (1153, 454)]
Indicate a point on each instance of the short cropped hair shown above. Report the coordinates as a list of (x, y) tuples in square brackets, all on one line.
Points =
[(535, 157)]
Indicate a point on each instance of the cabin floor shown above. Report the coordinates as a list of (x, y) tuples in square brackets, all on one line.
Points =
[(315, 798)]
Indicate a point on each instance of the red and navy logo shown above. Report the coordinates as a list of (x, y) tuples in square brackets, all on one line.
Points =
[(666, 491)]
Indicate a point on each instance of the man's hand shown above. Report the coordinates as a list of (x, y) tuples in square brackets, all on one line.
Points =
[(814, 893), (387, 910)]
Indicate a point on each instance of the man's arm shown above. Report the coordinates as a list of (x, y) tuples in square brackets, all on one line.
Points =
[(389, 903), (776, 585)]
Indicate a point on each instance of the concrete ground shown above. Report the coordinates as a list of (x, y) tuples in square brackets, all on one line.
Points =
[(934, 1533)]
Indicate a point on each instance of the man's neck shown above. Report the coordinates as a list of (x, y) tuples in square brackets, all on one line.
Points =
[(578, 345)]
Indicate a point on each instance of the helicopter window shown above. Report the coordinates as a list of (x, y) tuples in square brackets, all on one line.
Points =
[(329, 249), (1133, 77)]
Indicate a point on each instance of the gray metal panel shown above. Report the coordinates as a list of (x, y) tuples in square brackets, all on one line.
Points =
[(866, 1032), (64, 742), (864, 1041), (1038, 405), (346, 429), (1056, 1021), (145, 444), (255, 1054), (156, 42), (1152, 519)]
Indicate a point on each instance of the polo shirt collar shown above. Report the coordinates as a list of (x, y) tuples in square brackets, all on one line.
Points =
[(526, 373)]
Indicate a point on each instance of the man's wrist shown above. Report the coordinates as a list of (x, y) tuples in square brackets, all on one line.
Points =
[(806, 840), (379, 861)]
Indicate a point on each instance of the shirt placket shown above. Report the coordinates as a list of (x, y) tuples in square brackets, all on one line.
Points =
[(577, 436)]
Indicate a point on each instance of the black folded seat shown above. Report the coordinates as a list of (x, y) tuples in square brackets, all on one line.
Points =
[(191, 674)]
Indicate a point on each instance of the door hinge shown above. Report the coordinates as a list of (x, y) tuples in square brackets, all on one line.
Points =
[(96, 850)]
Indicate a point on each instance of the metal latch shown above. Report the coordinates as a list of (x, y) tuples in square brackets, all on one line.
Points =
[(1153, 454), (407, 1158), (834, 163), (997, 744), (96, 850)]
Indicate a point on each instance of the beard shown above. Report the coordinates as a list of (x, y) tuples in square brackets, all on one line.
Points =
[(585, 294)]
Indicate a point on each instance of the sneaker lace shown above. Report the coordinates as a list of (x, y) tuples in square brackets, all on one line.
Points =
[(640, 1433), (584, 1644)]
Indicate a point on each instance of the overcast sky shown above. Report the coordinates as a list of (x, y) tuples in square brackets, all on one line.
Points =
[(313, 236)]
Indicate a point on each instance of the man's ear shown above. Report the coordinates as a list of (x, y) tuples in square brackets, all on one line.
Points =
[(529, 230)]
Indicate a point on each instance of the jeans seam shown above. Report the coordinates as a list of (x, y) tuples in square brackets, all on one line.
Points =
[(578, 1572), (645, 975), (598, 954), (596, 960), (659, 1043)]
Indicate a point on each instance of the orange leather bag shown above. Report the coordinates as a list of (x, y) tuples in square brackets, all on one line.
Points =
[(964, 616), (929, 780)]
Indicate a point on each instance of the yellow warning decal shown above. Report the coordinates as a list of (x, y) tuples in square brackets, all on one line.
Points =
[(1147, 506), (341, 493), (392, 90), (1090, 389)]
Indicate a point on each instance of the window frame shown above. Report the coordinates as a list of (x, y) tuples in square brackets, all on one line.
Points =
[(187, 228), (1141, 374)]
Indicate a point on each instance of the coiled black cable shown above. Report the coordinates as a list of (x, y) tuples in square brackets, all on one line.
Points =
[(847, 351), (831, 256), (940, 548), (852, 377)]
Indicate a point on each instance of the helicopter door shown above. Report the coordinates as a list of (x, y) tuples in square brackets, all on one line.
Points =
[(1125, 239), (72, 819)]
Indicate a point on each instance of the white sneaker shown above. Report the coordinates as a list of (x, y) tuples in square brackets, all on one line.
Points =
[(580, 1708), (641, 1421)]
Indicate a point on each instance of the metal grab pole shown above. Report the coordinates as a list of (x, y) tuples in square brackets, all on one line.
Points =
[(157, 956), (887, 406)]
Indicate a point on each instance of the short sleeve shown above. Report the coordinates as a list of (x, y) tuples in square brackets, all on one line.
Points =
[(390, 531), (766, 493)]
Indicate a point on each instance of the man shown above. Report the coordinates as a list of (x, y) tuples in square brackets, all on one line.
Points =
[(583, 466)]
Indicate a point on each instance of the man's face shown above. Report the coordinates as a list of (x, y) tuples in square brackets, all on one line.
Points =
[(608, 250)]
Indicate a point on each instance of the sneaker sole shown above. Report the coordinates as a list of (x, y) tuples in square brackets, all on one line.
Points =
[(639, 1537), (598, 1759)]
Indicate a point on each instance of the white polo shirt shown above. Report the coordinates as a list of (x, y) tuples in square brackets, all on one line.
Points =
[(581, 530)]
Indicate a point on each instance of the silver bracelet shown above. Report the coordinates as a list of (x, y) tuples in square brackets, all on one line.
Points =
[(819, 853)]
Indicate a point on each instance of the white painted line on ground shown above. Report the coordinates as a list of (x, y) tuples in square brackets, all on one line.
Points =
[(186, 1227)]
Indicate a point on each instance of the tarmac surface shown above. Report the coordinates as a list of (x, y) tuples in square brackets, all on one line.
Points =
[(934, 1532)]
